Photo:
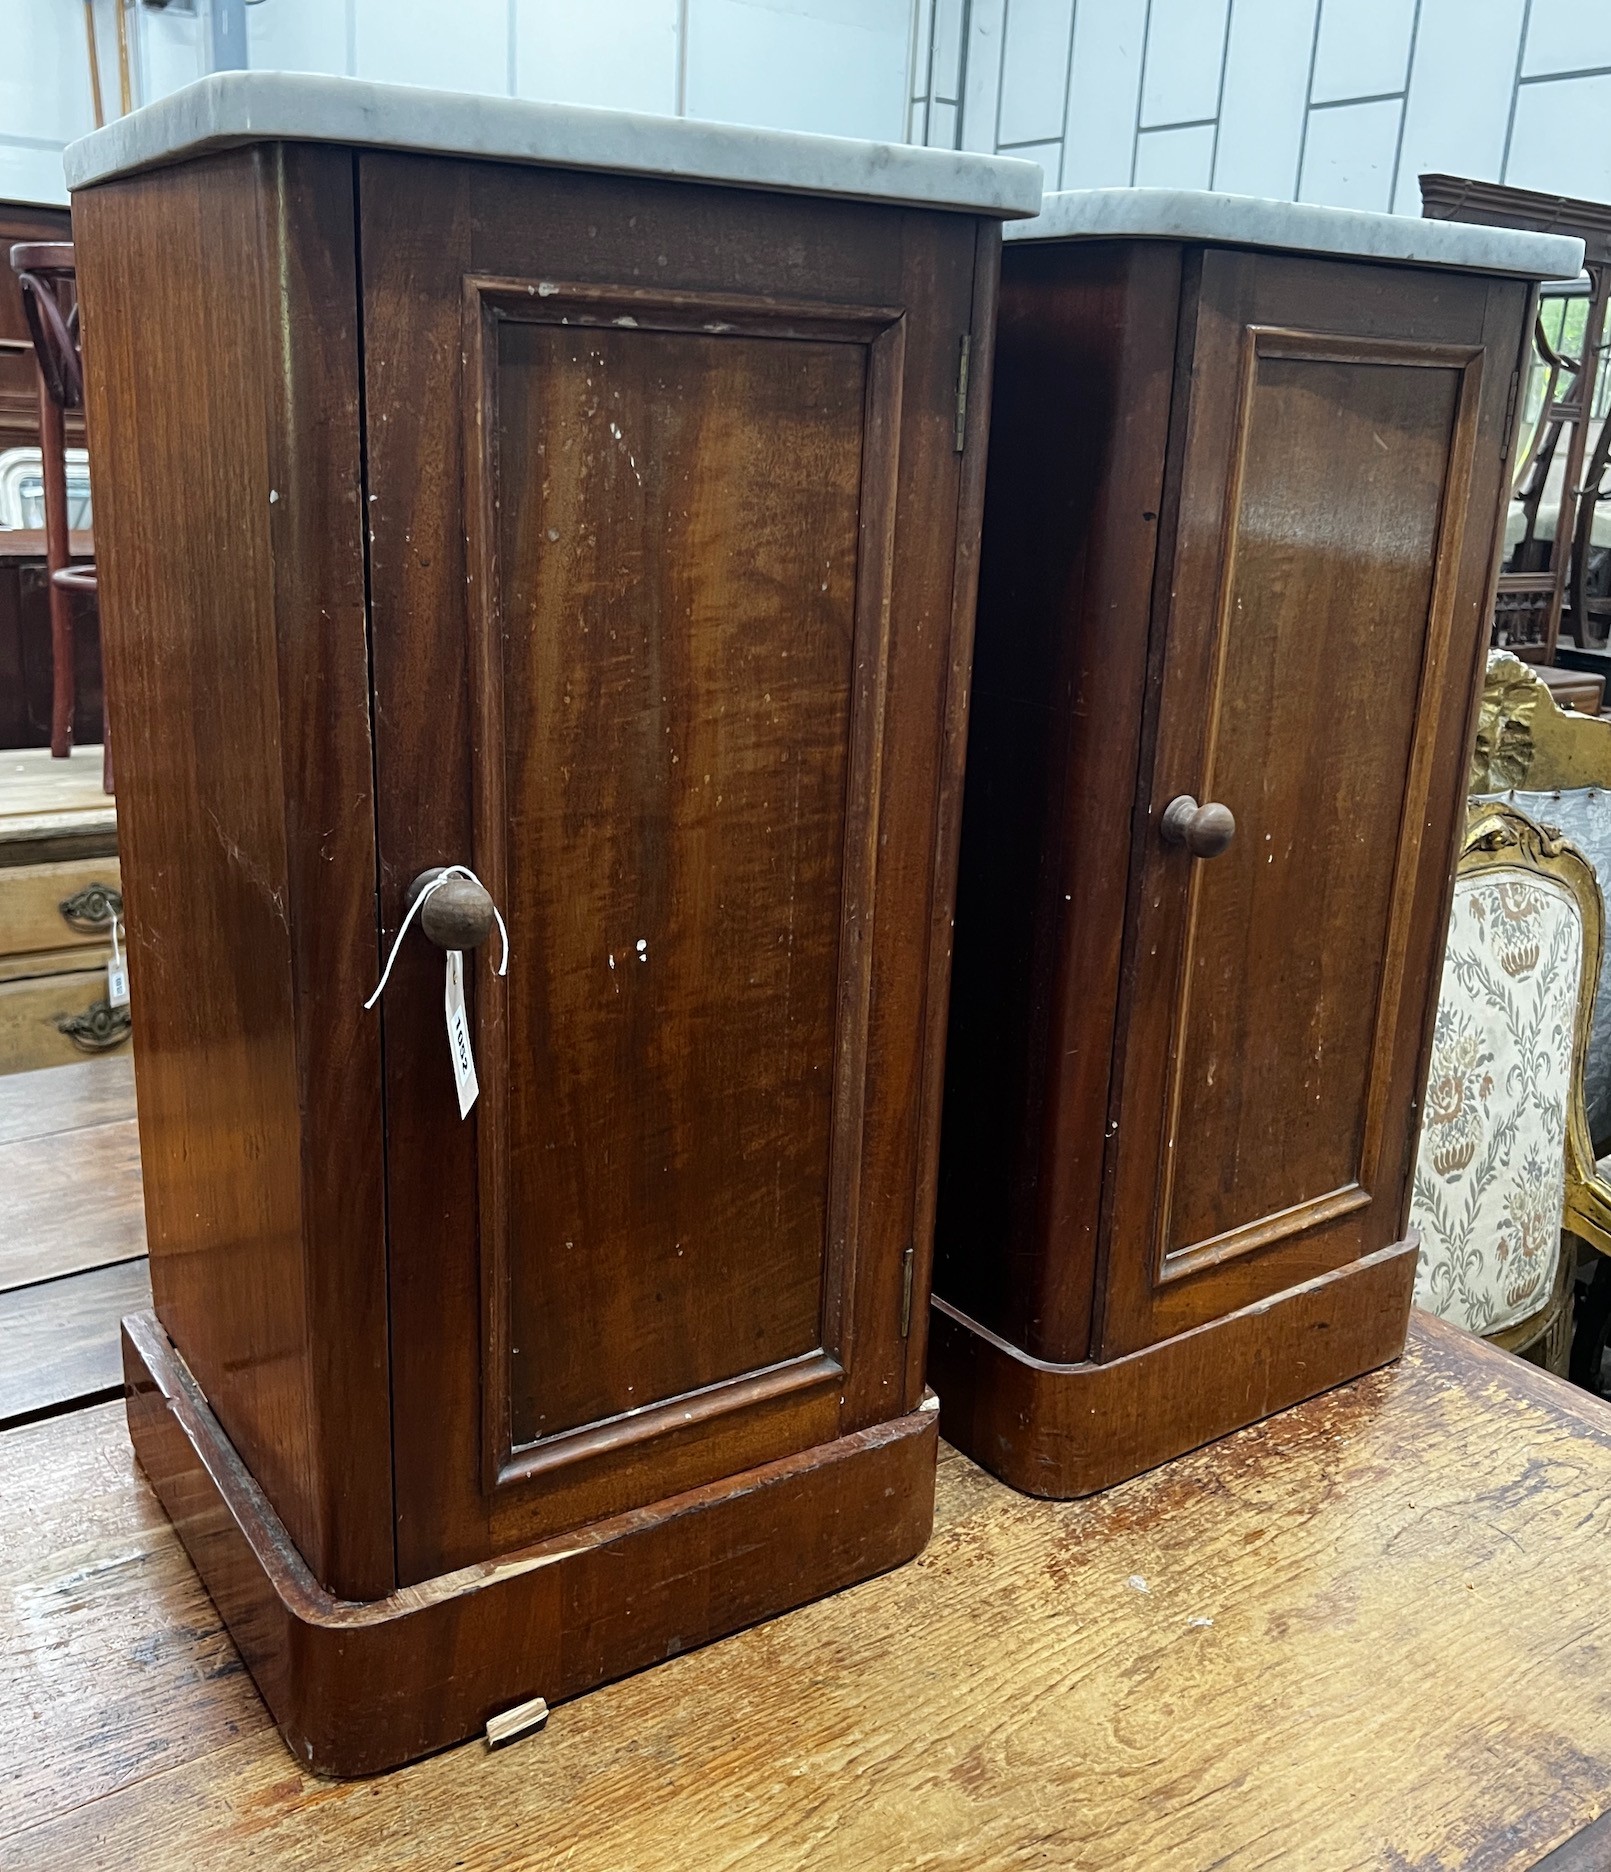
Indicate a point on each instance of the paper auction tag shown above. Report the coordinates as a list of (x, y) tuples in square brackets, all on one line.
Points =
[(458, 1028), (117, 974)]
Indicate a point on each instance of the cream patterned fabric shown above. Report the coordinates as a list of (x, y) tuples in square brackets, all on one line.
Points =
[(1490, 1179)]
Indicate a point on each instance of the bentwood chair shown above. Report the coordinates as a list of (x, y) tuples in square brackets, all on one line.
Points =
[(46, 273)]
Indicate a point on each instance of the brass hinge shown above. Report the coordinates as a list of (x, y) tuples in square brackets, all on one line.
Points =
[(906, 1291), (962, 393), (1510, 416)]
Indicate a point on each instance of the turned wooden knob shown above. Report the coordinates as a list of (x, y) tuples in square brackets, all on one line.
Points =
[(457, 914), (1205, 831)]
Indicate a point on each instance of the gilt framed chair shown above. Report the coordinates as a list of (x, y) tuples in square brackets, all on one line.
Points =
[(1505, 1163), (1554, 765)]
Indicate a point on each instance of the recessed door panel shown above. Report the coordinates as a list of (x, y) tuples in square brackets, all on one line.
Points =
[(1323, 635), (677, 543), (669, 501)]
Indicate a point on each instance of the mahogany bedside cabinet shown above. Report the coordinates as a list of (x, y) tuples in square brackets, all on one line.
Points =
[(575, 575), (1246, 466)]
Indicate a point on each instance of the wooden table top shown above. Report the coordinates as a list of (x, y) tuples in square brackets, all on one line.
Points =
[(29, 543), (72, 1233), (53, 808), (1367, 1633)]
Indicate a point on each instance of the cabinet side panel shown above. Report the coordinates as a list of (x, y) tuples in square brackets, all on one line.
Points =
[(220, 329), (1084, 365)]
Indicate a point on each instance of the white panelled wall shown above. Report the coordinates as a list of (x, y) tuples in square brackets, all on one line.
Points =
[(1342, 101), (1337, 101)]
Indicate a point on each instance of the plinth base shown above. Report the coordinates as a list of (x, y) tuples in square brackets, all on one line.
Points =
[(356, 1688), (1068, 1430)]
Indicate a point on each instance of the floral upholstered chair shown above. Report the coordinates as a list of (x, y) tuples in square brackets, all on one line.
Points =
[(1555, 765), (1504, 1152)]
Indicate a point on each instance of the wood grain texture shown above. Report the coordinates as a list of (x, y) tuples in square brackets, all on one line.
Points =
[(794, 364), (221, 350), (973, 439), (29, 543), (1240, 539), (644, 500), (33, 784), (1324, 637), (1388, 1580), (1229, 1178), (675, 841), (67, 1098), (70, 1202), (1083, 382), (59, 1338), (97, 1589), (1068, 1430), (21, 966), (358, 1688)]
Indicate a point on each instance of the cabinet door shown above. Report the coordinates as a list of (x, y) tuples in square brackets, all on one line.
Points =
[(664, 493), (1318, 630)]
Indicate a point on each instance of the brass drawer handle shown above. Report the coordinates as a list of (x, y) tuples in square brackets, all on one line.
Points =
[(98, 1029), (1205, 831), (94, 908)]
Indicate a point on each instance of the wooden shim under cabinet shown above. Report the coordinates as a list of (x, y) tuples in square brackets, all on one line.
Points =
[(511, 1724)]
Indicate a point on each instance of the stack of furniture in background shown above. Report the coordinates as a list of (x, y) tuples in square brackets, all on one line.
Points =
[(60, 905), (59, 878), (1555, 576), (1247, 465)]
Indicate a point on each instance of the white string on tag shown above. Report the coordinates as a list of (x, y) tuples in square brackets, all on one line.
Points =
[(460, 1050), (436, 883)]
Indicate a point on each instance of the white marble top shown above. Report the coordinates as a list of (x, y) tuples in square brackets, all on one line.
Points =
[(231, 108), (1298, 227)]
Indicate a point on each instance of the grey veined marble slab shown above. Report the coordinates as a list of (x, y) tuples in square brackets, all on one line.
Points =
[(232, 108), (1298, 227)]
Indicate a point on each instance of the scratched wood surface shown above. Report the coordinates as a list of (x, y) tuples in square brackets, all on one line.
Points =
[(1364, 1634)]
